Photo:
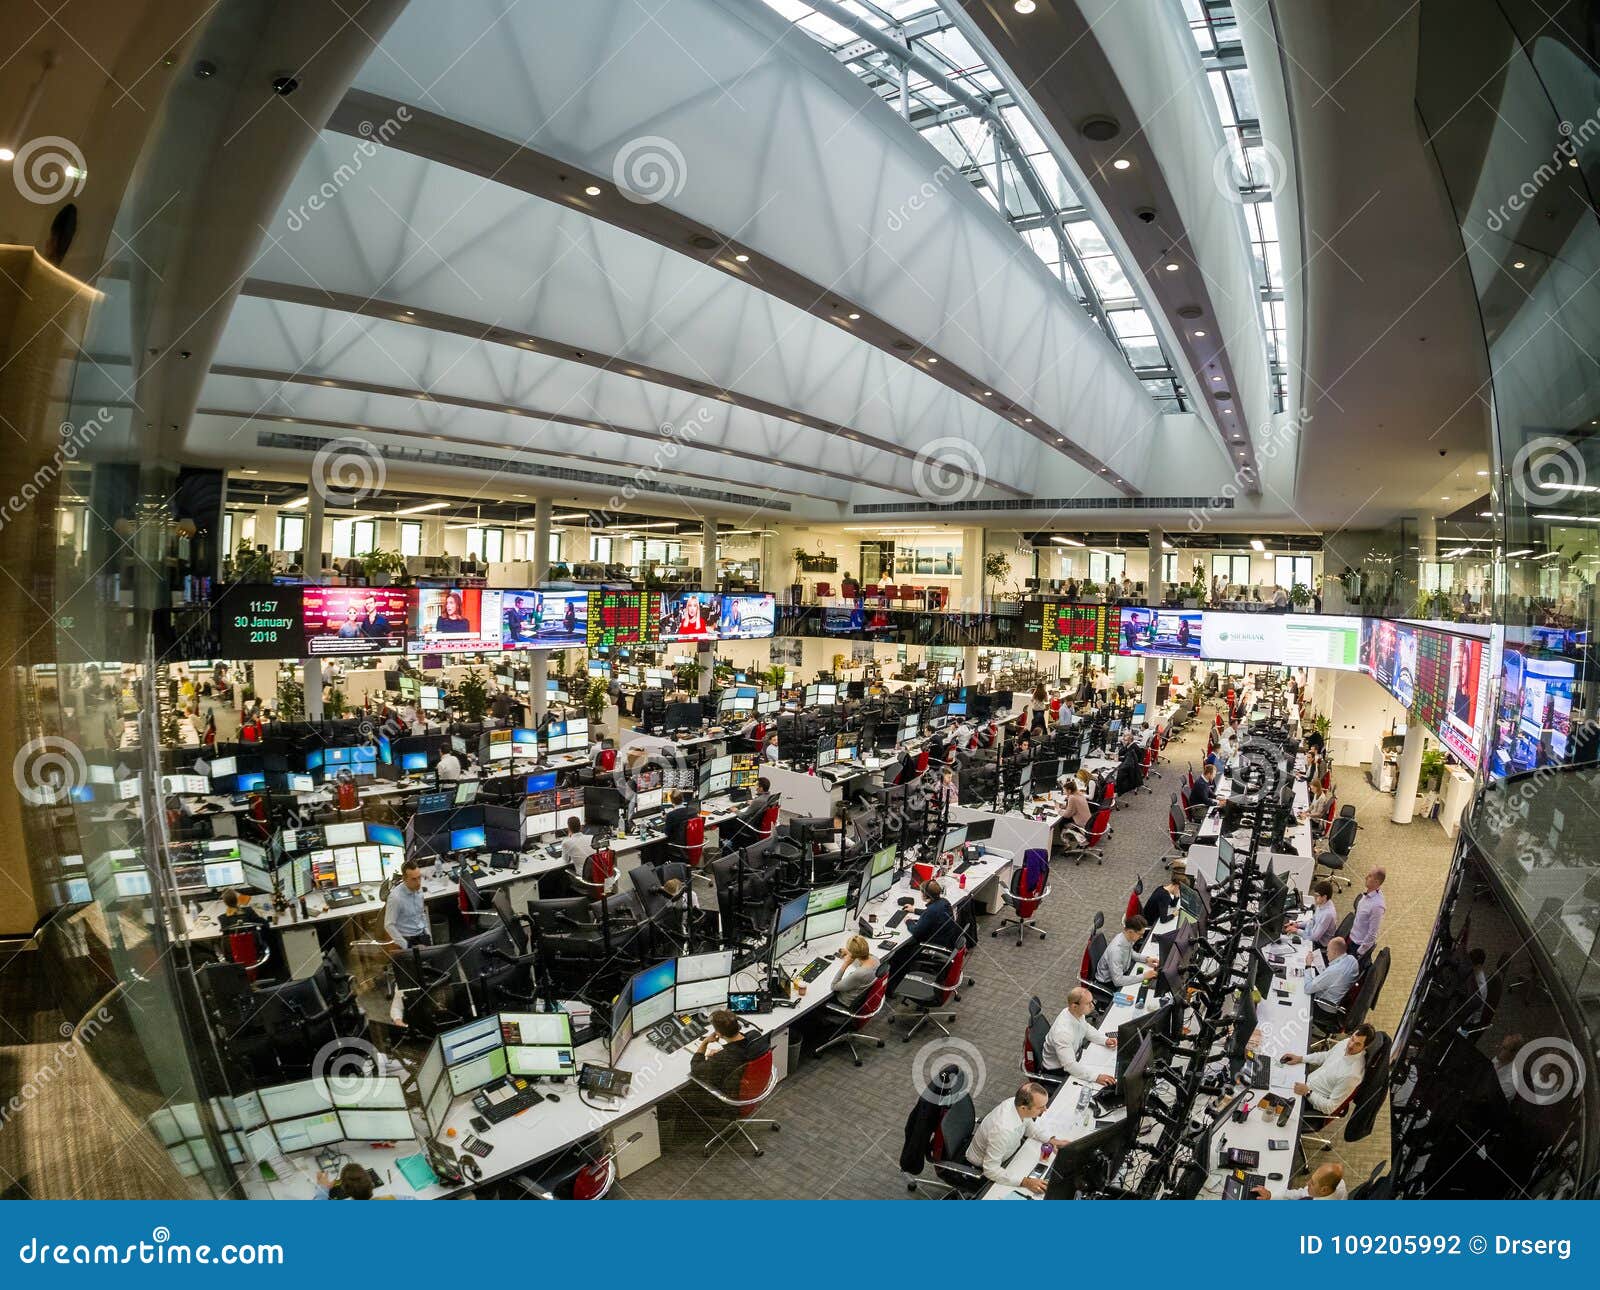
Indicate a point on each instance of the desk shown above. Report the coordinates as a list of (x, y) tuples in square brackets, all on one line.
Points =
[(1298, 862)]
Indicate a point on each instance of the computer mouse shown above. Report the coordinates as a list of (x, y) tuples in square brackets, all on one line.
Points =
[(1274, 1177), (552, 1097)]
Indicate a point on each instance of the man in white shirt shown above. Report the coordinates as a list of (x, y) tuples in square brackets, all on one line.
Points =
[(577, 846), (1329, 987), (449, 767), (1118, 967), (1326, 1183), (770, 752), (1505, 1065), (1338, 1071), (1070, 1033), (997, 1144)]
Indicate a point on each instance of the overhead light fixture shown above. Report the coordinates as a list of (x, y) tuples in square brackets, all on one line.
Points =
[(854, 317), (1217, 379), (1167, 546), (7, 155), (932, 359), (1512, 555), (1172, 266), (1027, 421), (1256, 544), (426, 506), (665, 524), (988, 394), (1444, 499), (411, 313), (1065, 541), (249, 472), (1121, 163), (742, 258), (297, 503), (1024, 7), (1518, 264), (569, 519), (1483, 474), (1199, 335), (593, 190)]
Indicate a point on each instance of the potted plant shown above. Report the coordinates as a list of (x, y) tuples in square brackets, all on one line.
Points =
[(248, 565), (472, 695), (996, 569), (381, 567), (1322, 726), (1299, 595), (595, 698), (1432, 774), (774, 676), (688, 675), (334, 706), (1088, 588), (291, 699)]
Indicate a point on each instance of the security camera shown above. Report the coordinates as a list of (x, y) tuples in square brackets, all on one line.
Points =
[(1146, 214), (283, 86), (204, 70)]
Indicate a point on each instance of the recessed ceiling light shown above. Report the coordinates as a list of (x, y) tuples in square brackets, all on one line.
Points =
[(988, 394), (1519, 264), (742, 258), (1027, 420), (853, 317), (931, 359), (1573, 162), (7, 155), (1200, 335), (1483, 474), (1217, 379), (1024, 6), (1444, 499), (1121, 163), (1172, 266), (411, 313), (593, 190)]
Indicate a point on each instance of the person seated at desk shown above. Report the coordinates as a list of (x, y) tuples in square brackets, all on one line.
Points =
[(996, 1146), (1338, 1070), (1328, 987), (1071, 1032), (1324, 918), (237, 914), (949, 792), (577, 846), (722, 1069), (1326, 1183), (936, 926), (858, 969), (1120, 966), (1167, 898), (449, 767), (354, 1183), (1204, 793), (405, 913), (770, 752)]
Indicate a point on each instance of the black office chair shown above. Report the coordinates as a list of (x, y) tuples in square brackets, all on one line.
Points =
[(1367, 993), (1092, 954), (1377, 1186), (1341, 841), (1034, 1034), (938, 1132)]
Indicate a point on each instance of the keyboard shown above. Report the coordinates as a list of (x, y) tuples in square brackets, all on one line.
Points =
[(813, 970), (511, 1096), (898, 917)]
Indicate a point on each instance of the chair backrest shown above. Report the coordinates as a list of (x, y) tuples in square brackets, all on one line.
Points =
[(1345, 924), (1030, 879), (950, 977), (1110, 798), (1366, 995), (754, 1080), (769, 820), (922, 762), (954, 1132), (1034, 1033), (872, 1002), (607, 760), (1135, 899), (247, 948), (600, 868), (1092, 955), (1175, 820), (694, 841), (1099, 826)]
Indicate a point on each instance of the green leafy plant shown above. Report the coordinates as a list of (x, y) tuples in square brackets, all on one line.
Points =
[(1299, 595), (688, 676), (472, 695), (774, 676), (248, 565), (1089, 587), (1433, 764), (996, 569), (291, 699), (378, 563), (595, 698), (334, 706), (1322, 726)]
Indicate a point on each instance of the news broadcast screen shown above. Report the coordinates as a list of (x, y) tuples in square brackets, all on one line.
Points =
[(747, 617), (690, 616), (456, 620), (1389, 657), (1451, 682), (544, 619), (1162, 633), (355, 620), (1533, 726)]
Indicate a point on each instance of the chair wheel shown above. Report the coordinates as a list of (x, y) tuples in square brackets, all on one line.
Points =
[(880, 1043), (1042, 935), (776, 1127), (758, 1151), (994, 933), (858, 1061), (912, 1188), (906, 1040)]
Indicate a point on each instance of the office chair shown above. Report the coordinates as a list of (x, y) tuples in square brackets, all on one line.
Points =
[(1094, 845), (1341, 841), (1030, 884), (927, 994), (1034, 1033), (248, 948), (1372, 985), (687, 846), (939, 1130), (757, 1081), (853, 1021), (1310, 1118), (1333, 1018), (1376, 1187), (1135, 903), (1178, 830), (1093, 951), (575, 1174)]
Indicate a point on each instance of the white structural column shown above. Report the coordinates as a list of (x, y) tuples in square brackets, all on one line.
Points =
[(1153, 596), (311, 563), (708, 582), (543, 509), (1409, 773)]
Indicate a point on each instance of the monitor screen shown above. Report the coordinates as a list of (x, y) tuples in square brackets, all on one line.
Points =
[(289, 1101), (651, 1010), (541, 1060), (341, 835), (471, 1040), (703, 967), (479, 1071), (545, 783), (1163, 633), (690, 616), (536, 1029), (256, 621), (747, 617), (308, 1131), (654, 980), (822, 899), (355, 620), (456, 620), (385, 834), (414, 761), (789, 940), (828, 923), (792, 913), (545, 619), (377, 1126), (710, 993), (468, 839)]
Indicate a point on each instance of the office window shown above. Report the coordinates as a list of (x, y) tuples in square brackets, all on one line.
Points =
[(1105, 565), (525, 546), (353, 537), (227, 532), (291, 533), (410, 537), (1169, 568), (1234, 569), (486, 544), (1290, 569), (599, 549)]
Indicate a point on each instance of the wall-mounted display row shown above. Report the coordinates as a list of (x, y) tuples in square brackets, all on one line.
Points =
[(318, 622)]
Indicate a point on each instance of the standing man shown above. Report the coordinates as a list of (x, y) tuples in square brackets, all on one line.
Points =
[(405, 914), (1370, 908)]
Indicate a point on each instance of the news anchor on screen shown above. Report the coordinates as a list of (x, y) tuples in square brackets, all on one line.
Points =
[(452, 618)]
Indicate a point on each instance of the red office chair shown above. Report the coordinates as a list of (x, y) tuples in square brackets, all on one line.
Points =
[(853, 1022), (1094, 949), (1135, 899), (606, 760), (769, 820), (922, 762), (1030, 884), (928, 994), (248, 948), (756, 1084), (1099, 826), (824, 589), (690, 850)]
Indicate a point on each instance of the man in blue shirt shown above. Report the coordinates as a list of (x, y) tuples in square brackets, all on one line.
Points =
[(405, 914), (1329, 986)]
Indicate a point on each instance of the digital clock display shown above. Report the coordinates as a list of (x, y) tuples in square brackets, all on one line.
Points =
[(260, 622)]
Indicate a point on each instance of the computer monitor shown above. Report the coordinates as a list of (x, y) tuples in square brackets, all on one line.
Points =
[(481, 1070), (654, 981), (955, 838), (704, 967), (290, 1101), (621, 1023), (541, 1060), (1134, 1085), (710, 993), (826, 911), (652, 1010), (468, 1042), (472, 839), (979, 830), (1225, 861), (466, 792), (413, 761), (363, 1125), (536, 1029), (1072, 1161), (1135, 1030), (882, 860), (1207, 1144)]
